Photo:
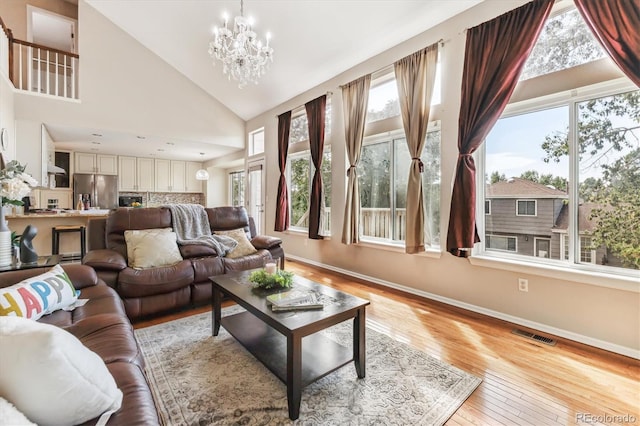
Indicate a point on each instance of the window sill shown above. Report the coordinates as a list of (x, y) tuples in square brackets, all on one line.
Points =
[(629, 282), (398, 248)]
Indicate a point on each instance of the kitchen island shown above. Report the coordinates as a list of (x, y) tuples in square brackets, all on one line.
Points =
[(69, 242)]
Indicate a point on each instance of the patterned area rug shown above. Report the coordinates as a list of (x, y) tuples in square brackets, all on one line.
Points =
[(200, 380)]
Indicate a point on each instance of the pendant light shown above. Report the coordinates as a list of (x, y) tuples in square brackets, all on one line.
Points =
[(202, 174)]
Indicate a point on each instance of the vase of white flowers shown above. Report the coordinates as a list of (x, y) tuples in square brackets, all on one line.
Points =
[(15, 184)]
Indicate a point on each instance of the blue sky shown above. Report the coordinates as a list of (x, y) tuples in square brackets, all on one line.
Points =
[(514, 144)]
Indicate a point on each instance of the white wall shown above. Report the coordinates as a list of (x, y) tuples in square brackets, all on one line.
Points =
[(7, 116), (593, 314), (126, 88)]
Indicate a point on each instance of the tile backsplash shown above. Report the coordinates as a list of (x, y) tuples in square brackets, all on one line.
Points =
[(155, 199)]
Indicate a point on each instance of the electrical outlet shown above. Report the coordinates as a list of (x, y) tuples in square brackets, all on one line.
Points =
[(523, 284)]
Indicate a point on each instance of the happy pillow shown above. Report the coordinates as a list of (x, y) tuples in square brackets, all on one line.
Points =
[(39, 295)]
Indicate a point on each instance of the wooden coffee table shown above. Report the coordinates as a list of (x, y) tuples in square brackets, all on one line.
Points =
[(276, 338)]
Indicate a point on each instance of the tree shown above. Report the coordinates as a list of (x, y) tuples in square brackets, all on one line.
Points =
[(608, 142), (618, 213), (565, 42), (497, 177), (549, 179)]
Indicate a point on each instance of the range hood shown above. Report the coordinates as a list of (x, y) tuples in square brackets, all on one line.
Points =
[(55, 170)]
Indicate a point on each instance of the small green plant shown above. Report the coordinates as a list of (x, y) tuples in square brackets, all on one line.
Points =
[(15, 239), (261, 279)]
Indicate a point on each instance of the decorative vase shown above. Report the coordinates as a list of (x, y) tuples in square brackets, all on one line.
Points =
[(27, 252), (6, 246)]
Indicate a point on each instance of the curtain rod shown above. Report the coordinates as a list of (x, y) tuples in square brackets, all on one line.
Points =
[(329, 93)]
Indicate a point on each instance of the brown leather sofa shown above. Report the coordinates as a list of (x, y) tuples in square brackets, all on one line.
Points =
[(102, 326), (155, 290)]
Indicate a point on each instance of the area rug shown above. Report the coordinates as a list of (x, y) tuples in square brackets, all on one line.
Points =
[(198, 379)]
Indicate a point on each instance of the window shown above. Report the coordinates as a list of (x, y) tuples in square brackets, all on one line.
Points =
[(526, 208), (300, 170), (564, 42), (487, 207), (236, 188), (299, 131), (383, 174), (383, 95), (256, 142), (502, 242), (587, 252), (569, 157)]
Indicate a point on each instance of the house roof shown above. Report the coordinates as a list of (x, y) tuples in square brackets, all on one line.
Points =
[(585, 225), (522, 188)]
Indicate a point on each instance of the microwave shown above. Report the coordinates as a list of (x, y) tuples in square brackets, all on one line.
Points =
[(128, 200)]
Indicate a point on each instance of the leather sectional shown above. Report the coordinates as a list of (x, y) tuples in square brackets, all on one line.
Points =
[(161, 289), (103, 327)]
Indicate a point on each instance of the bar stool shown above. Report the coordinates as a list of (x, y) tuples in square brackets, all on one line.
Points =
[(55, 237)]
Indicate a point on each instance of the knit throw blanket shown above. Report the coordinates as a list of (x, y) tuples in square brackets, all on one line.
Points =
[(191, 225)]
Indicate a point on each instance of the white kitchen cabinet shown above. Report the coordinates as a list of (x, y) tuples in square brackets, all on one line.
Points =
[(193, 184), (163, 175), (136, 174), (103, 164), (170, 176), (145, 174), (127, 173), (178, 178)]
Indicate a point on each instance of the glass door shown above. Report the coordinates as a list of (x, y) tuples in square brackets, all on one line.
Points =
[(256, 195)]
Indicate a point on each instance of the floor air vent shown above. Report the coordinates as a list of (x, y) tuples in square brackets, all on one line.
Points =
[(542, 339)]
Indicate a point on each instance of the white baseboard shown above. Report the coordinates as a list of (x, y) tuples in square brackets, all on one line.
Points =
[(608, 346)]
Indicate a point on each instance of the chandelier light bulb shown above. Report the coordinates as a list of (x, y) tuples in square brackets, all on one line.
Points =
[(243, 55)]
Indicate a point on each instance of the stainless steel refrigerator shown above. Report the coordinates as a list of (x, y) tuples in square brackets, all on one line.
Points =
[(100, 191)]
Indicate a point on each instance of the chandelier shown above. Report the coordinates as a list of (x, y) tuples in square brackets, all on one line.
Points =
[(242, 55)]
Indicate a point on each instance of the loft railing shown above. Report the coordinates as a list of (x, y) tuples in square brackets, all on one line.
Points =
[(37, 68)]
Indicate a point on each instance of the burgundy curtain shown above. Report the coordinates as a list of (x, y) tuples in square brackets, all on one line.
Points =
[(315, 119), (495, 54), (616, 24), (282, 201)]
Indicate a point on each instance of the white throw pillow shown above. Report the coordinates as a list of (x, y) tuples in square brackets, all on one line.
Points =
[(150, 248), (51, 377), (39, 295), (244, 247), (11, 416)]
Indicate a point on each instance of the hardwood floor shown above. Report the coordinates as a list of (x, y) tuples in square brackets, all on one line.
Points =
[(525, 382)]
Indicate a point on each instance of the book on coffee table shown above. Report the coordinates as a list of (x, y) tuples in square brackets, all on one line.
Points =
[(289, 297), (294, 300)]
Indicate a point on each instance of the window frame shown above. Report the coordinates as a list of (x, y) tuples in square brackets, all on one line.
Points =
[(243, 176), (251, 142), (487, 211), (571, 97), (507, 237), (527, 200), (301, 149)]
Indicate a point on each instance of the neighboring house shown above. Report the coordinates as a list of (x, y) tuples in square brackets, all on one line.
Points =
[(520, 215), (527, 218)]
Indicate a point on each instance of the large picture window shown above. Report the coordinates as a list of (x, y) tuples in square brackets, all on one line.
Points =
[(567, 160)]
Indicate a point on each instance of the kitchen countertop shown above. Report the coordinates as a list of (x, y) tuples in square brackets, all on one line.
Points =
[(69, 213)]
